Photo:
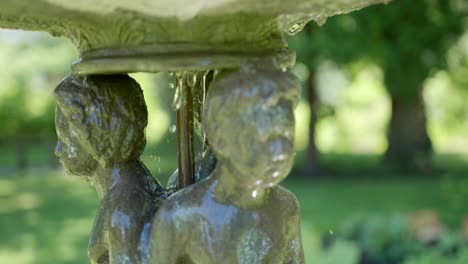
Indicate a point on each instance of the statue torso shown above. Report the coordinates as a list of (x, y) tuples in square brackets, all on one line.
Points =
[(207, 231)]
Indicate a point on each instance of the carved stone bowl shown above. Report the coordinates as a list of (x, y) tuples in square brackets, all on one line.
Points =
[(153, 35)]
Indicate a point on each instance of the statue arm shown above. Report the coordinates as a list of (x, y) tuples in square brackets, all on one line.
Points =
[(98, 242), (296, 252), (114, 235), (164, 248), (295, 249), (124, 232)]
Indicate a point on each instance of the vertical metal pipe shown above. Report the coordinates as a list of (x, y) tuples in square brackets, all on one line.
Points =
[(185, 133)]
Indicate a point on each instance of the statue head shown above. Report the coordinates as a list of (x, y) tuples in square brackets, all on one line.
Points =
[(249, 123), (100, 121)]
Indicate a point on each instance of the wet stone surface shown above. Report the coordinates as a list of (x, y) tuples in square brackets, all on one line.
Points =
[(239, 25), (100, 124), (238, 214), (235, 213)]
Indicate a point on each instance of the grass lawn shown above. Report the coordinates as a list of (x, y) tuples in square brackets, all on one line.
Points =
[(47, 217)]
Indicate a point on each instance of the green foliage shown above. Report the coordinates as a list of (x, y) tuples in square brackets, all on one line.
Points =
[(458, 60), (11, 112), (437, 257), (47, 217), (388, 240), (341, 252), (380, 238), (32, 64), (408, 39)]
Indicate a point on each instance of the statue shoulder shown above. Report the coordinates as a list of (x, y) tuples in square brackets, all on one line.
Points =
[(186, 197), (285, 199)]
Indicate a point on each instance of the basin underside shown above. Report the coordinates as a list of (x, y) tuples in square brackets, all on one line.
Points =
[(175, 57), (239, 25)]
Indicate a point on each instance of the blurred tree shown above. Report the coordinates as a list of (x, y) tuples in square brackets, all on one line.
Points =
[(32, 64), (13, 118), (307, 55), (415, 37), (408, 39)]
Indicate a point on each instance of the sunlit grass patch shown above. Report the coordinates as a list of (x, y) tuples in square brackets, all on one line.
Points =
[(48, 218), (45, 219)]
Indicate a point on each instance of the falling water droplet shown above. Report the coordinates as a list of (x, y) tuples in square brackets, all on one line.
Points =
[(204, 91), (177, 102), (191, 79), (205, 75), (172, 129), (254, 194)]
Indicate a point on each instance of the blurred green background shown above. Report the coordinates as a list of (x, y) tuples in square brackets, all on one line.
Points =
[(381, 170)]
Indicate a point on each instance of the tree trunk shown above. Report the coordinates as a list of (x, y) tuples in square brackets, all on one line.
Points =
[(409, 145), (312, 164)]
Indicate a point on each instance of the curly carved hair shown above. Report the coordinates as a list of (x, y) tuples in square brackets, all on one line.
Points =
[(107, 112)]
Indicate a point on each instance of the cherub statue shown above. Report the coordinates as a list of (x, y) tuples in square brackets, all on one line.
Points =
[(239, 214), (101, 123)]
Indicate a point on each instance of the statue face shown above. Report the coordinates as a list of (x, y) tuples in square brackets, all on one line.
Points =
[(261, 143), (70, 150), (249, 122)]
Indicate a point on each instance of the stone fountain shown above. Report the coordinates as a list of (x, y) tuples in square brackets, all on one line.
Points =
[(230, 62)]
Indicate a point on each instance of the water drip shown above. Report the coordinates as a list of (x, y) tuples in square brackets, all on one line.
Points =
[(173, 129), (177, 102), (320, 20), (204, 86), (191, 79)]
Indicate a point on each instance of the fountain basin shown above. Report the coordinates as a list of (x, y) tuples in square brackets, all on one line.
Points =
[(152, 35)]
